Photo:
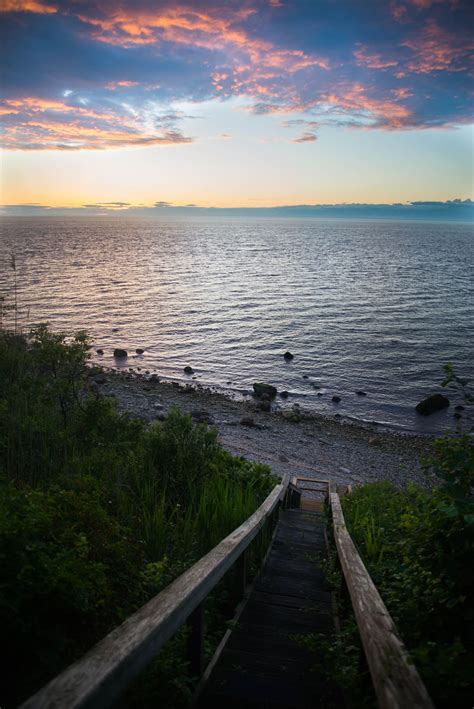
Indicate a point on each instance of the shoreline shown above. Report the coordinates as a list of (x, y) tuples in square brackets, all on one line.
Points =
[(311, 445)]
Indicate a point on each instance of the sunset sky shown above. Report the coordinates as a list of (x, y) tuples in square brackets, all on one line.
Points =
[(252, 103)]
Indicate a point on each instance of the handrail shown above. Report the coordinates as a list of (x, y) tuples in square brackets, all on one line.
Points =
[(396, 681), (104, 672)]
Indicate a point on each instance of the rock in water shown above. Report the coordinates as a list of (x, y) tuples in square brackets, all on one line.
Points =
[(288, 356), (284, 394), (100, 352), (120, 354), (261, 389), (361, 393), (336, 399), (433, 403), (139, 350), (188, 370)]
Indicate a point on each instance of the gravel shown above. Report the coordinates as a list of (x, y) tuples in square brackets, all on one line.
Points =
[(311, 445)]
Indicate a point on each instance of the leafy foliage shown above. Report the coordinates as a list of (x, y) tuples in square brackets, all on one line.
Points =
[(98, 512)]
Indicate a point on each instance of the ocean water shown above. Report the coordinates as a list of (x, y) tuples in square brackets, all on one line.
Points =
[(363, 305)]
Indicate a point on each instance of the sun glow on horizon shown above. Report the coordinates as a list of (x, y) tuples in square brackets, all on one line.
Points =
[(195, 103)]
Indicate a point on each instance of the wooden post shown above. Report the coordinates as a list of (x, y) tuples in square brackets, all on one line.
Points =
[(196, 641), (241, 577)]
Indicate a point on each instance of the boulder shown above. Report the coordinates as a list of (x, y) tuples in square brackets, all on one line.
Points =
[(139, 350), (284, 394), (336, 399), (120, 354), (188, 370), (293, 415), (100, 352), (262, 389), (288, 356), (361, 393), (433, 403)]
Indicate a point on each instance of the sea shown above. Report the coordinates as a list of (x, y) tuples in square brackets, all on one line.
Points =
[(372, 306)]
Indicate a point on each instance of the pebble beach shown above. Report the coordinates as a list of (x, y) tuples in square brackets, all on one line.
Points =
[(303, 445)]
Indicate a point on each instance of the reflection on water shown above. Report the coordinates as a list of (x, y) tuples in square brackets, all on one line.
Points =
[(372, 306)]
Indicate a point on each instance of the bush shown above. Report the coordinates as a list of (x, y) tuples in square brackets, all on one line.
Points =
[(98, 512), (68, 574)]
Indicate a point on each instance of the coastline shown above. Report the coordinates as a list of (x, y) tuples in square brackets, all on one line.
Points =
[(347, 452)]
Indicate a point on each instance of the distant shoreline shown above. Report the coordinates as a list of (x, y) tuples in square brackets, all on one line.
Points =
[(448, 211)]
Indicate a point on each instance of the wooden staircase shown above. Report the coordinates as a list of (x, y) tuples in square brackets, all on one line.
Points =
[(266, 663)]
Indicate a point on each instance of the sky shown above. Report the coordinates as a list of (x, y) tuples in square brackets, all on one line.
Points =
[(109, 105)]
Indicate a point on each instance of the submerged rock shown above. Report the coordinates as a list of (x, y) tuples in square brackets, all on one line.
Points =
[(119, 353), (336, 399), (139, 350), (433, 403), (284, 394), (459, 407), (100, 352), (361, 393), (264, 405), (188, 370), (288, 356), (264, 389)]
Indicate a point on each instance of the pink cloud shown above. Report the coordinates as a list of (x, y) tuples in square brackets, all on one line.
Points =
[(305, 138), (54, 125), (436, 49), (384, 113), (373, 60)]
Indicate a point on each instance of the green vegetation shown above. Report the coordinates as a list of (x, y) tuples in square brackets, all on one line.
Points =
[(98, 512), (418, 546)]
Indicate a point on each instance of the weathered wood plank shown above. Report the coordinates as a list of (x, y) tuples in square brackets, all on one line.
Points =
[(395, 679), (265, 663), (105, 671)]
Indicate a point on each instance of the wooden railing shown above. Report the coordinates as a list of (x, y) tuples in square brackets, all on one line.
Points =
[(396, 681), (99, 677)]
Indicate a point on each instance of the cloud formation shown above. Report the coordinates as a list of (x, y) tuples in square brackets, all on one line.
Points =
[(102, 74)]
